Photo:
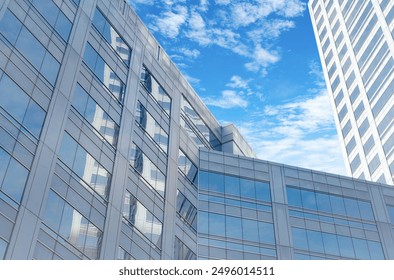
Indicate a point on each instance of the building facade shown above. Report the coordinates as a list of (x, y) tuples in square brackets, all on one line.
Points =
[(356, 46), (106, 152)]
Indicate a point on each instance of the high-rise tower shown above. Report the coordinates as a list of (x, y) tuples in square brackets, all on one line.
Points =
[(356, 47)]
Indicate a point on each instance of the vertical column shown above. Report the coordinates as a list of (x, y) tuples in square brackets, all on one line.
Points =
[(280, 212)]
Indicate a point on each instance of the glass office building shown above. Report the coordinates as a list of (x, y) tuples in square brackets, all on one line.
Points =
[(106, 152), (356, 46)]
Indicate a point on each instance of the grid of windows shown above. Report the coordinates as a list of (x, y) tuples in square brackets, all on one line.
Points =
[(182, 252), (186, 210)]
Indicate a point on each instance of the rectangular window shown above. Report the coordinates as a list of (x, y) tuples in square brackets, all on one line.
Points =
[(139, 217), (54, 16), (374, 164), (363, 127), (13, 176), (147, 169), (186, 210), (72, 226), (20, 106), (182, 252), (29, 46), (350, 146), (148, 123), (104, 73), (95, 115), (112, 37), (156, 90), (356, 162), (359, 110), (187, 167), (85, 166)]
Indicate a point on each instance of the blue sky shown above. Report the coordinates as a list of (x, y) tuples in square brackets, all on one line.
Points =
[(254, 64)]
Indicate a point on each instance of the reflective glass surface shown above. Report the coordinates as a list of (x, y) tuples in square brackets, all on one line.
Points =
[(187, 167), (186, 210), (152, 127), (112, 36), (29, 46), (147, 169), (329, 203), (138, 216), (336, 245), (197, 124), (54, 16), (88, 169), (182, 252), (95, 115), (104, 73), (3, 248), (20, 106), (13, 176), (72, 226), (156, 90), (234, 186)]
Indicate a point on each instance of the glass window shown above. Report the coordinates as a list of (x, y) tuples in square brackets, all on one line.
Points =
[(300, 239), (375, 250), (374, 164), (147, 169), (247, 188), (203, 221), (383, 99), (351, 145), (355, 163), (323, 202), (355, 93), (266, 232), (346, 246), (104, 73), (337, 205), (262, 191), (231, 185), (182, 252), (361, 249), (95, 115), (152, 127), (250, 230), (20, 106), (351, 206), (330, 243), (85, 166), (366, 212), (187, 167), (156, 90), (359, 110), (72, 226), (112, 36), (315, 241), (3, 248), (308, 200), (390, 210), (216, 182), (233, 227), (343, 113), (294, 197), (216, 224), (346, 129), (30, 47), (142, 219), (186, 210), (54, 16)]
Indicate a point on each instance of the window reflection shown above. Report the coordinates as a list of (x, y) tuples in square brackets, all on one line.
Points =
[(29, 46), (72, 226), (112, 36), (142, 219), (156, 90), (186, 210), (104, 73), (187, 167), (104, 125), (13, 176), (152, 127), (182, 252), (88, 169), (3, 248), (147, 169), (54, 16)]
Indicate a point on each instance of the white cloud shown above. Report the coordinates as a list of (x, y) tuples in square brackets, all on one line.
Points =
[(270, 29), (189, 53), (170, 22), (261, 59), (229, 99), (238, 82), (222, 2), (299, 133)]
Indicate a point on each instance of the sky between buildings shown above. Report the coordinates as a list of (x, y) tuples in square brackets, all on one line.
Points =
[(254, 64)]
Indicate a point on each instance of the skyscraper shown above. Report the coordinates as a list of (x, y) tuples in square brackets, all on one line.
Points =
[(106, 152), (356, 46)]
